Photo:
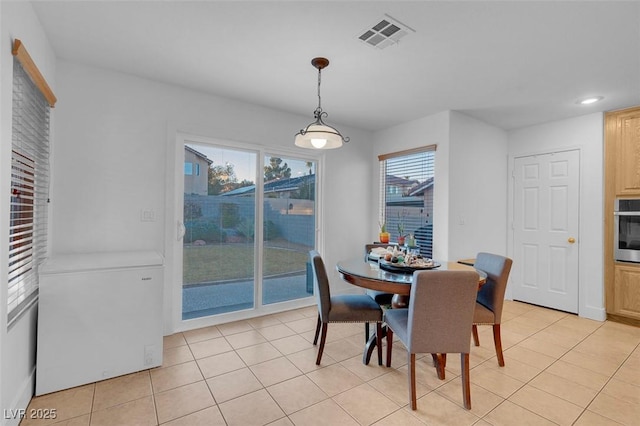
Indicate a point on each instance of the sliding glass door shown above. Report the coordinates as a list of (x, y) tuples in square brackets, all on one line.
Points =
[(219, 219), (249, 221), (289, 208)]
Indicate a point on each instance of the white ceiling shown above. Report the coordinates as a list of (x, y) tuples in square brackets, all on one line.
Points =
[(511, 64)]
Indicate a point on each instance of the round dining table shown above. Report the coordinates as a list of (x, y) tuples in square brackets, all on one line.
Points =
[(370, 274)]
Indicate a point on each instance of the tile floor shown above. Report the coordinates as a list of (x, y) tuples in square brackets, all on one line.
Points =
[(560, 369)]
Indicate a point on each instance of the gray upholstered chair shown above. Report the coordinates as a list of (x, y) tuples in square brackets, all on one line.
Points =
[(491, 297), (342, 308), (438, 321)]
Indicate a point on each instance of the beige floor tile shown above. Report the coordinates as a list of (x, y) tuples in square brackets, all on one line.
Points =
[(67, 403), (200, 334), (76, 421), (599, 364), (275, 371), (395, 386), (208, 417), (324, 413), (234, 384), (282, 422), (624, 391), (365, 372), (577, 323), (305, 360), (495, 381), (122, 389), (290, 316), (582, 376), (606, 346), (302, 325), (543, 346), (589, 418), (234, 327), (615, 409), (508, 414), (560, 336), (514, 368), (210, 347), (296, 394), (629, 371), (291, 344), (163, 379), (482, 400), (257, 408), (173, 340), (258, 353), (219, 364), (179, 402), (274, 332), (135, 413), (264, 321), (434, 409), (182, 401), (365, 404), (176, 355), (527, 356), (245, 338), (400, 417), (549, 406), (564, 388), (344, 349), (334, 379)]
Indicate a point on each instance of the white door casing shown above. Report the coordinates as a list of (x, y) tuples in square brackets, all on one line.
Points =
[(545, 225)]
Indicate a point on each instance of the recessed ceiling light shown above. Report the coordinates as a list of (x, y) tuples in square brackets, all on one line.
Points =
[(590, 100)]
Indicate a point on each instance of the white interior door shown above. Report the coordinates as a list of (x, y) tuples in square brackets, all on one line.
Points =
[(546, 240)]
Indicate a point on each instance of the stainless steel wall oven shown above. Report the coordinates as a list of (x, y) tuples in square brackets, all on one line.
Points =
[(626, 232)]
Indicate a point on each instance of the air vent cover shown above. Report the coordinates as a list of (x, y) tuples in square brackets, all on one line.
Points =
[(384, 32)]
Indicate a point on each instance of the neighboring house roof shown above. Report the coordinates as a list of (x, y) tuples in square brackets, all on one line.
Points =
[(198, 154), (276, 185), (420, 188), (393, 180)]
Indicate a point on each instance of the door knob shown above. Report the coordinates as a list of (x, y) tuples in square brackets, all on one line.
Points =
[(571, 240)]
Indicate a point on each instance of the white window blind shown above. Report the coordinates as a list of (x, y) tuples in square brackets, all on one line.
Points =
[(29, 191), (406, 195)]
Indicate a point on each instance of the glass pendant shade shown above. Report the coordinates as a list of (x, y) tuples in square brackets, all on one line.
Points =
[(318, 136)]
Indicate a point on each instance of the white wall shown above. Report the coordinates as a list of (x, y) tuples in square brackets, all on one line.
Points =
[(586, 134), (471, 180), (17, 345), (478, 188), (114, 156)]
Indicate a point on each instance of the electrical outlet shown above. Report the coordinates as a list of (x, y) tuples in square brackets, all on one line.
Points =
[(147, 215), (149, 353)]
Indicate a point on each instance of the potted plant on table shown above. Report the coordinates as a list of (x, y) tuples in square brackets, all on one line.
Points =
[(384, 235), (401, 234)]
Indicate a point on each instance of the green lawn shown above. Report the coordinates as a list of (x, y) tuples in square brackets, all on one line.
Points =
[(233, 261)]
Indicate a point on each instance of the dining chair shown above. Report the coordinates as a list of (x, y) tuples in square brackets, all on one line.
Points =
[(380, 297), (437, 321), (490, 298), (342, 308)]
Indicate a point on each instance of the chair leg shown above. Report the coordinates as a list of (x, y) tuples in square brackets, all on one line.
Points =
[(497, 340), (466, 387), (379, 341), (323, 338), (366, 332), (439, 362), (412, 381), (318, 325), (389, 345), (474, 331)]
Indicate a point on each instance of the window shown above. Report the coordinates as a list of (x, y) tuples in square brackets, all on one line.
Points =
[(406, 195), (188, 169), (29, 190)]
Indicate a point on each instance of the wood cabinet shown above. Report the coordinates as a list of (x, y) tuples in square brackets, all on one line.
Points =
[(622, 179)]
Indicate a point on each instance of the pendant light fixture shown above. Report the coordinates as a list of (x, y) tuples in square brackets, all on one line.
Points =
[(319, 135)]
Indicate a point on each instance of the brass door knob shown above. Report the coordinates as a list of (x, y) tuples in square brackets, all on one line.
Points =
[(571, 240)]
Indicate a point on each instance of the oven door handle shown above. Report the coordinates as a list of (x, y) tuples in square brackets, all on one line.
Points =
[(626, 213)]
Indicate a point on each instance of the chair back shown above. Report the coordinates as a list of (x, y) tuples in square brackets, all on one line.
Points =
[(368, 247), (321, 285), (441, 311), (491, 295)]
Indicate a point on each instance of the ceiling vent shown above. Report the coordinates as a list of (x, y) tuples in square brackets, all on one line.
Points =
[(384, 32)]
